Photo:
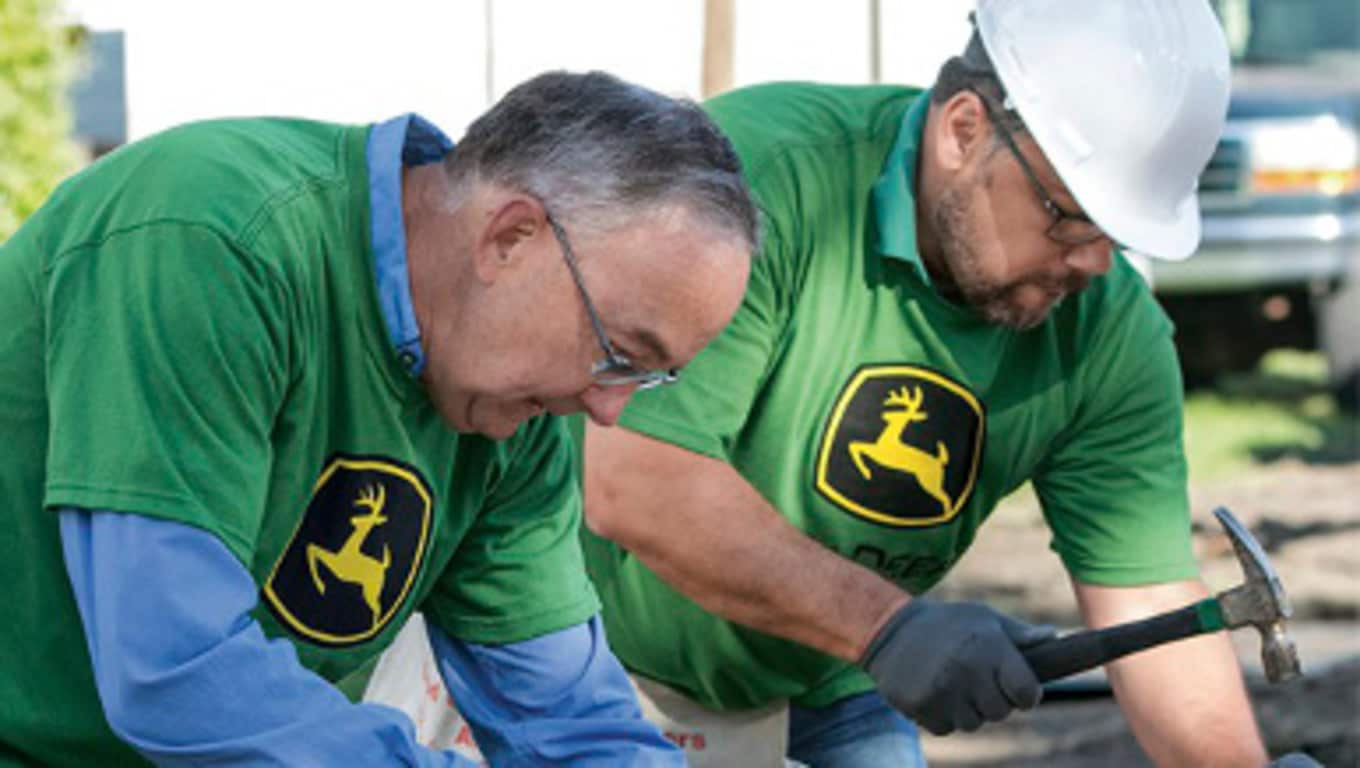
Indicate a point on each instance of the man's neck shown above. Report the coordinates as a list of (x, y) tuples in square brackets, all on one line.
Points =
[(424, 192), (927, 239), (932, 258)]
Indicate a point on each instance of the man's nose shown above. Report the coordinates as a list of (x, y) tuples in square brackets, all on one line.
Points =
[(605, 404), (1091, 259)]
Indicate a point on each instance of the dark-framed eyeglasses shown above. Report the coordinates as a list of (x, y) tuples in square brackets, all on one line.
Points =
[(1067, 228), (615, 370)]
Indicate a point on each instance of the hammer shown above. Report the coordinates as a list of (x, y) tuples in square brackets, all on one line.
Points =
[(1259, 602)]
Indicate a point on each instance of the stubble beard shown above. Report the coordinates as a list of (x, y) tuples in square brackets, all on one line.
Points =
[(965, 281)]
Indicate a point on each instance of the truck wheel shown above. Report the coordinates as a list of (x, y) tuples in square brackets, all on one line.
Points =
[(1229, 332), (1339, 334), (1348, 393)]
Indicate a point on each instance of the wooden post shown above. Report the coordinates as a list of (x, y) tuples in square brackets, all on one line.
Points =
[(490, 31), (875, 41), (719, 28)]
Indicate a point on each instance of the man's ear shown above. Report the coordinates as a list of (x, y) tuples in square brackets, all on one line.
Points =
[(961, 131), (510, 225)]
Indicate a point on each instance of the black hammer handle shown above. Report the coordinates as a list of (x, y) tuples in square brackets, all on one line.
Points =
[(1081, 651)]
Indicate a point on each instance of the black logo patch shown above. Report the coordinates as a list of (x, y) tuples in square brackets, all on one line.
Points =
[(902, 446), (355, 553)]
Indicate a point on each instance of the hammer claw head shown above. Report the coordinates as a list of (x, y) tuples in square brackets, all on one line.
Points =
[(1255, 565), (1260, 601)]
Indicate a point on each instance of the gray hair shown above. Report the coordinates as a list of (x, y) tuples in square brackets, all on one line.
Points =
[(597, 151), (973, 71)]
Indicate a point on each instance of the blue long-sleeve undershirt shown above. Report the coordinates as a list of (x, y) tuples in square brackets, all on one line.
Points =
[(187, 677), (583, 714)]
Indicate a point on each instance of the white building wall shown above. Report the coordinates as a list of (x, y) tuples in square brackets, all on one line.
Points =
[(657, 43), (802, 40), (329, 60), (449, 59), (918, 35)]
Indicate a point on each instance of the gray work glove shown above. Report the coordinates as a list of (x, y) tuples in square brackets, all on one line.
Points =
[(954, 666)]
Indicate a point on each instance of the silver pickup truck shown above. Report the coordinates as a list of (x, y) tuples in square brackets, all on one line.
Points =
[(1280, 259)]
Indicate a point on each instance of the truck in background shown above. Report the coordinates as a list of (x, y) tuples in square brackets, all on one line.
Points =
[(1279, 264)]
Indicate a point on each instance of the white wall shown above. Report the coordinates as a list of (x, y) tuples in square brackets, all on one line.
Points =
[(801, 40), (337, 61), (918, 35), (362, 61), (654, 42)]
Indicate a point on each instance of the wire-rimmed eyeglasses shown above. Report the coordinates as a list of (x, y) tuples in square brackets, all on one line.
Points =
[(615, 370), (1067, 228)]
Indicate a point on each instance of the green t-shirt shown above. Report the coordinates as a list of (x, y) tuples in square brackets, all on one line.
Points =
[(190, 330), (884, 421)]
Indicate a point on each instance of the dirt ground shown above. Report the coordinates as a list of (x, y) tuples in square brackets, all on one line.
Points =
[(1307, 516)]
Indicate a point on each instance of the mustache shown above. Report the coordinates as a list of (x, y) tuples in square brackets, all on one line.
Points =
[(1064, 286)]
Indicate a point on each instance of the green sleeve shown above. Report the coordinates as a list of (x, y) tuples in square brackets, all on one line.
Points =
[(518, 573), (1114, 487), (166, 361)]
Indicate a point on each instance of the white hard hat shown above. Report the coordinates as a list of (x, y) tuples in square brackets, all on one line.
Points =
[(1126, 98)]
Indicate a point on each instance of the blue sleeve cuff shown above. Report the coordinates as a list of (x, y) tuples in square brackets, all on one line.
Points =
[(559, 699)]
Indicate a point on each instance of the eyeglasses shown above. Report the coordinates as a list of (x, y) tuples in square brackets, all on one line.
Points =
[(614, 370), (1067, 228)]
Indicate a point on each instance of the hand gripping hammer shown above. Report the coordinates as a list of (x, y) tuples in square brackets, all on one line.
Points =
[(1259, 602)]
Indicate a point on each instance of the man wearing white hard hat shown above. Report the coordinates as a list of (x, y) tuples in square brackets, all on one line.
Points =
[(941, 314)]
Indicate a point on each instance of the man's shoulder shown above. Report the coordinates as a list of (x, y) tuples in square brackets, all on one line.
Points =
[(233, 149), (773, 118), (216, 173), (284, 135), (1117, 310), (796, 94), (1122, 289), (254, 155)]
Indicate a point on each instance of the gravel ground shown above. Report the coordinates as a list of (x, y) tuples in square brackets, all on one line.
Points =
[(1307, 516)]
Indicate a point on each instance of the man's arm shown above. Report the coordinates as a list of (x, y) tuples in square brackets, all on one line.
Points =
[(707, 532), (1185, 700), (187, 677), (559, 699)]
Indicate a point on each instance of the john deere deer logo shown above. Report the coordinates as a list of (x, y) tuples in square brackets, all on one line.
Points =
[(889, 450), (350, 563), (901, 446), (355, 554)]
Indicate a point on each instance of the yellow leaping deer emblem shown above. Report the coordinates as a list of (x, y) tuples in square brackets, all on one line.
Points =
[(889, 450), (350, 564)]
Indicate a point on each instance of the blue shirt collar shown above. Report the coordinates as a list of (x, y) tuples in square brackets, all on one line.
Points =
[(406, 140)]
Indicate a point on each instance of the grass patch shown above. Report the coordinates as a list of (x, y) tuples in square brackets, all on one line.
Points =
[(1280, 411)]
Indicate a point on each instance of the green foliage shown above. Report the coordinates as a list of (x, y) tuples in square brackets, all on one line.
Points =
[(1281, 411), (37, 61)]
